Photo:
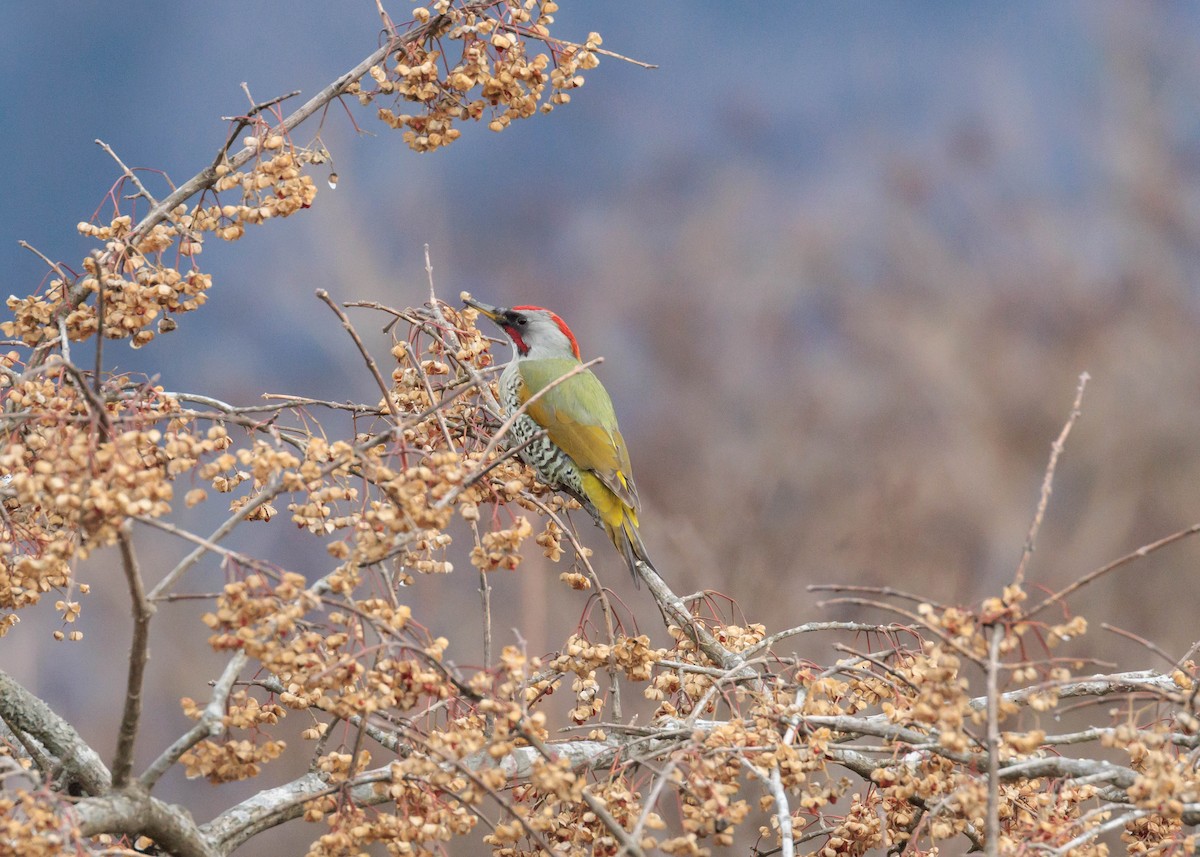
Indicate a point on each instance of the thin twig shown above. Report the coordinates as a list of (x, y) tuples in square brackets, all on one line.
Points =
[(194, 538), (424, 376), (267, 494), (244, 121), (492, 465), (524, 31), (485, 597), (362, 349), (286, 403), (660, 782), (1129, 635), (433, 302), (783, 812), (1144, 550), (896, 674), (811, 627), (885, 591), (54, 266), (1048, 481), (64, 340), (101, 311), (129, 174), (915, 619), (360, 735), (261, 106), (1188, 655), (210, 723), (1100, 830), (139, 654)]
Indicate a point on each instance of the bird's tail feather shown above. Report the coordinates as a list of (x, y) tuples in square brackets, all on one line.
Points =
[(619, 521), (629, 542)]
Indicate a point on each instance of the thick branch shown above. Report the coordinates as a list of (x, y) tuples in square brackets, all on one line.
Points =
[(26, 714), (133, 815), (273, 807)]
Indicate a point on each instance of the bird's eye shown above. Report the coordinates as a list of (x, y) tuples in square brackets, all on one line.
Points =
[(522, 320)]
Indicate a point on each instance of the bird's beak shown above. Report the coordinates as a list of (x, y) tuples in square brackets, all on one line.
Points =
[(494, 313)]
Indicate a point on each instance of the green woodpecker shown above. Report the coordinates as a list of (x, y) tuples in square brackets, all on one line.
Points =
[(582, 451)]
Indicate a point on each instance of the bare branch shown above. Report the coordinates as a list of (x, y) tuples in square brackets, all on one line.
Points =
[(54, 266), (209, 724), (133, 814), (1141, 641), (139, 654), (286, 403), (1048, 481), (362, 349), (268, 493), (129, 174), (783, 812), (1144, 550)]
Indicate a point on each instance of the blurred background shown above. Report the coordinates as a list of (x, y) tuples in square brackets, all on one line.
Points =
[(846, 263)]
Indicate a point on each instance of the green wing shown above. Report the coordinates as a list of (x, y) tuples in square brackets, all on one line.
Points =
[(578, 417)]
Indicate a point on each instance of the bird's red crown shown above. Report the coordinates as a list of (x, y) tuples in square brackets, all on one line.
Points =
[(562, 325)]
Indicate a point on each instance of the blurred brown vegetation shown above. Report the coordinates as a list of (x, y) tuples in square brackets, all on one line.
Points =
[(863, 387)]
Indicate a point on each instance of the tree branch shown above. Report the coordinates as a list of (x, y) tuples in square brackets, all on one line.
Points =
[(362, 349), (267, 494), (209, 724), (139, 654), (132, 814), (992, 829), (206, 178), (25, 713)]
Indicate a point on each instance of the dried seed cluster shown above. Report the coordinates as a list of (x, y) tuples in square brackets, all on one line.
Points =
[(73, 477), (493, 77), (37, 824), (231, 760), (143, 283)]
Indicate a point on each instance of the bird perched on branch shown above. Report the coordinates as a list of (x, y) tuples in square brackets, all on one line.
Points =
[(581, 451)]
